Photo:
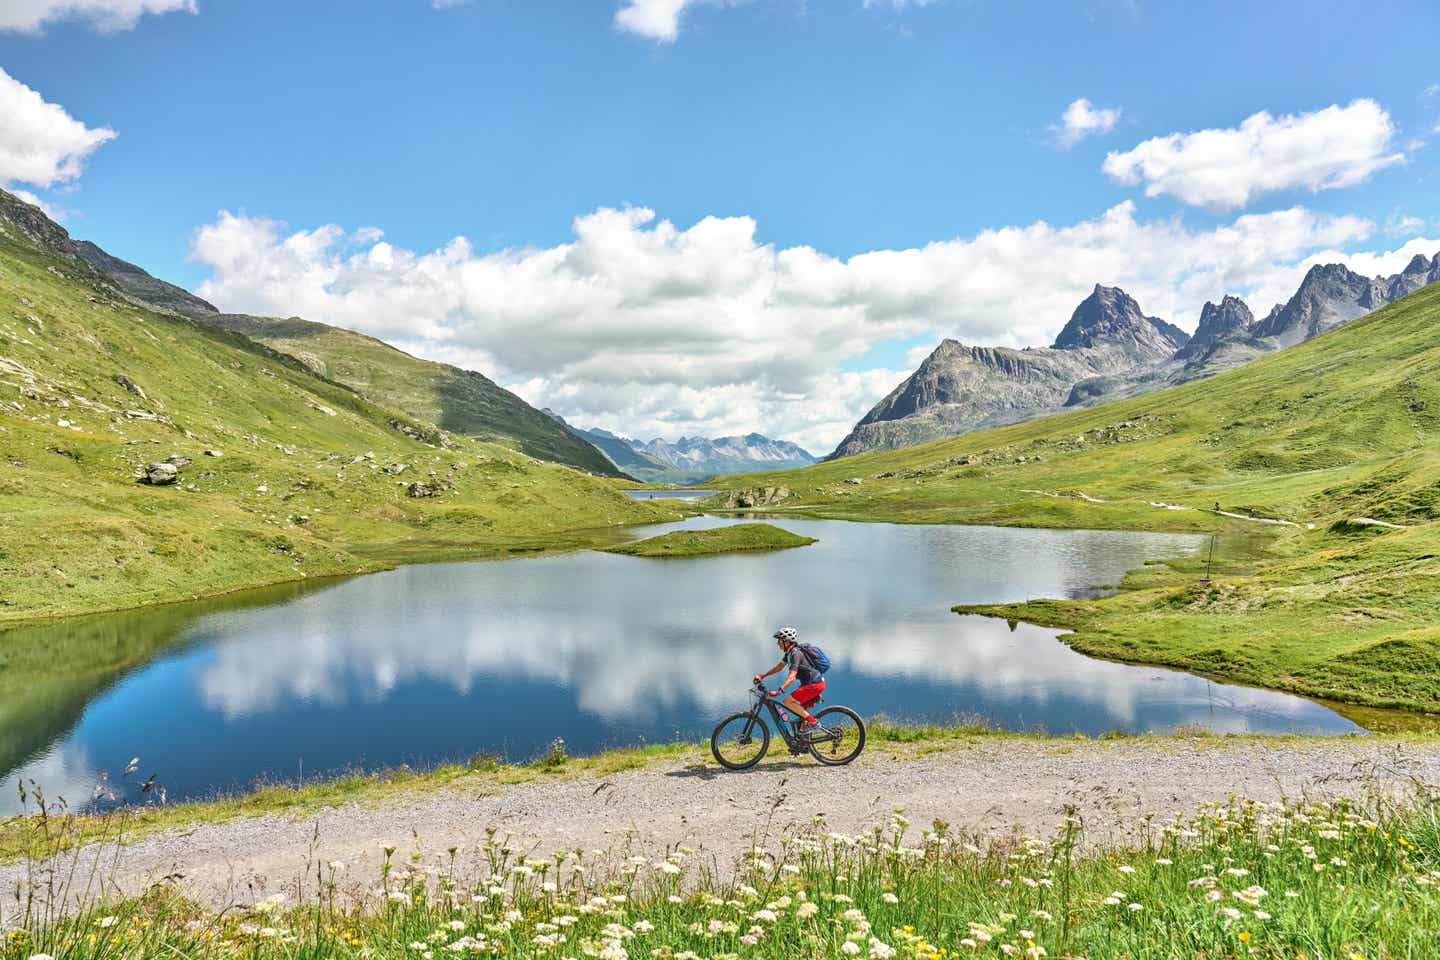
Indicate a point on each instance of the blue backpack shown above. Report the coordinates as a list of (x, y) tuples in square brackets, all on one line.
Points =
[(817, 657)]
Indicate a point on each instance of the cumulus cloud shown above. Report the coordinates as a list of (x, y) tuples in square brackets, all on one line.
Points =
[(643, 327), (41, 144), (656, 19), (29, 16), (1082, 119), (1224, 169)]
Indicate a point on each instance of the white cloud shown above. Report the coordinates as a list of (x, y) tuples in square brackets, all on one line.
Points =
[(1082, 119), (1400, 224), (29, 16), (41, 144), (1223, 169), (642, 327), (656, 19)]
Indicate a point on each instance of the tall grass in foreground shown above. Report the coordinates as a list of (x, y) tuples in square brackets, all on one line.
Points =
[(1318, 880)]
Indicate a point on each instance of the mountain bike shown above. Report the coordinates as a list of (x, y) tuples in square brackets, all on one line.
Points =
[(741, 739)]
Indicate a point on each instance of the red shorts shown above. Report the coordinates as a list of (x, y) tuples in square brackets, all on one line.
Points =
[(809, 693)]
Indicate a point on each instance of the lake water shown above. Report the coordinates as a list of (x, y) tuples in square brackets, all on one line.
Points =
[(669, 494), (432, 663)]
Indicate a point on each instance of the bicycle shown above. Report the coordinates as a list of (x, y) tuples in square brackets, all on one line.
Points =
[(741, 739)]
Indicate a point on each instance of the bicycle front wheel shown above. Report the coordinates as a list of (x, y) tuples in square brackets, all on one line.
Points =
[(739, 741), (839, 737)]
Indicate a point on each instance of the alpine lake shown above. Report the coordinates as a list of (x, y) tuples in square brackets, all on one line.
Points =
[(434, 663)]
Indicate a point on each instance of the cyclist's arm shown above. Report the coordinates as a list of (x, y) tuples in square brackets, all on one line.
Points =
[(775, 669)]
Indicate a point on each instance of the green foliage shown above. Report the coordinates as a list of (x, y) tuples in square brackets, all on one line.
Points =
[(1328, 435), (740, 538)]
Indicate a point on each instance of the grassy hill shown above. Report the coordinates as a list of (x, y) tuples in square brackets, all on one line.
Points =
[(460, 401), (312, 478), (1320, 440), (740, 538)]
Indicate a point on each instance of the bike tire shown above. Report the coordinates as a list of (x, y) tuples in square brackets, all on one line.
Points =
[(852, 723), (759, 732)]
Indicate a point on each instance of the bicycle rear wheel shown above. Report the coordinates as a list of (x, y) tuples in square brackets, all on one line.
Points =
[(739, 741), (839, 738)]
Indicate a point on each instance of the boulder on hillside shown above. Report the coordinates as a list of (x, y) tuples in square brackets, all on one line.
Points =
[(160, 474)]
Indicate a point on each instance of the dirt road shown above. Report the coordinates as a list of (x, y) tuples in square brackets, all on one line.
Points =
[(991, 786)]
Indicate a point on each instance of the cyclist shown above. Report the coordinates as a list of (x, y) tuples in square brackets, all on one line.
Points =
[(802, 667)]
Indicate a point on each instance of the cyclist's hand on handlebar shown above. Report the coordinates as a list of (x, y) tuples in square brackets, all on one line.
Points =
[(758, 678)]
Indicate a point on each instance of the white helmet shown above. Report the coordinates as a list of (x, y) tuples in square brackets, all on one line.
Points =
[(786, 634)]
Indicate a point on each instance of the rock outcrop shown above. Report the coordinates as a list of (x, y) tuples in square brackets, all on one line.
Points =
[(753, 497)]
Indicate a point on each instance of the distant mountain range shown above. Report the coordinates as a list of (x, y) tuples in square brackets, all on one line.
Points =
[(692, 460), (1110, 350)]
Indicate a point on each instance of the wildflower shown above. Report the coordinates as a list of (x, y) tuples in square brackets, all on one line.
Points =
[(879, 950), (644, 926), (1126, 868), (767, 916), (1112, 901), (674, 899), (1135, 907), (1033, 952), (850, 948), (1244, 936), (807, 909), (670, 868), (1027, 935), (889, 897), (456, 924), (1163, 862), (1261, 915), (106, 922)]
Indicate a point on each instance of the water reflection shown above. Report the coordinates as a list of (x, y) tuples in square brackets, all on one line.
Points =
[(436, 662)]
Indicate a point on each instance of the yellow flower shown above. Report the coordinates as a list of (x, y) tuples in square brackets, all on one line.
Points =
[(1244, 936)]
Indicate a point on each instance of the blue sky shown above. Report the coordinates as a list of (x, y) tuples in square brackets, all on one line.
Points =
[(832, 142)]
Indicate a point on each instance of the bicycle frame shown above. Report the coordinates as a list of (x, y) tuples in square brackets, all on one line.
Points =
[(777, 717)]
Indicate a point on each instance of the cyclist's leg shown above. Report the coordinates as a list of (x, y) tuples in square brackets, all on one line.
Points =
[(801, 698)]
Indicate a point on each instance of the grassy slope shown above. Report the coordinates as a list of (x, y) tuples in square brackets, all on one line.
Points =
[(288, 499), (1341, 427), (741, 538), (460, 401)]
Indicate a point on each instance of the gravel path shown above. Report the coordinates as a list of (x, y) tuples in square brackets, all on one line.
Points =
[(991, 787)]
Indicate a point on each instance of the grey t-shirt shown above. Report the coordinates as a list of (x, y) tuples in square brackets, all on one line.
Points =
[(800, 663)]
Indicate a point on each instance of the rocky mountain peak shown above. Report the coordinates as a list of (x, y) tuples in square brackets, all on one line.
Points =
[(1229, 316), (1110, 317)]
